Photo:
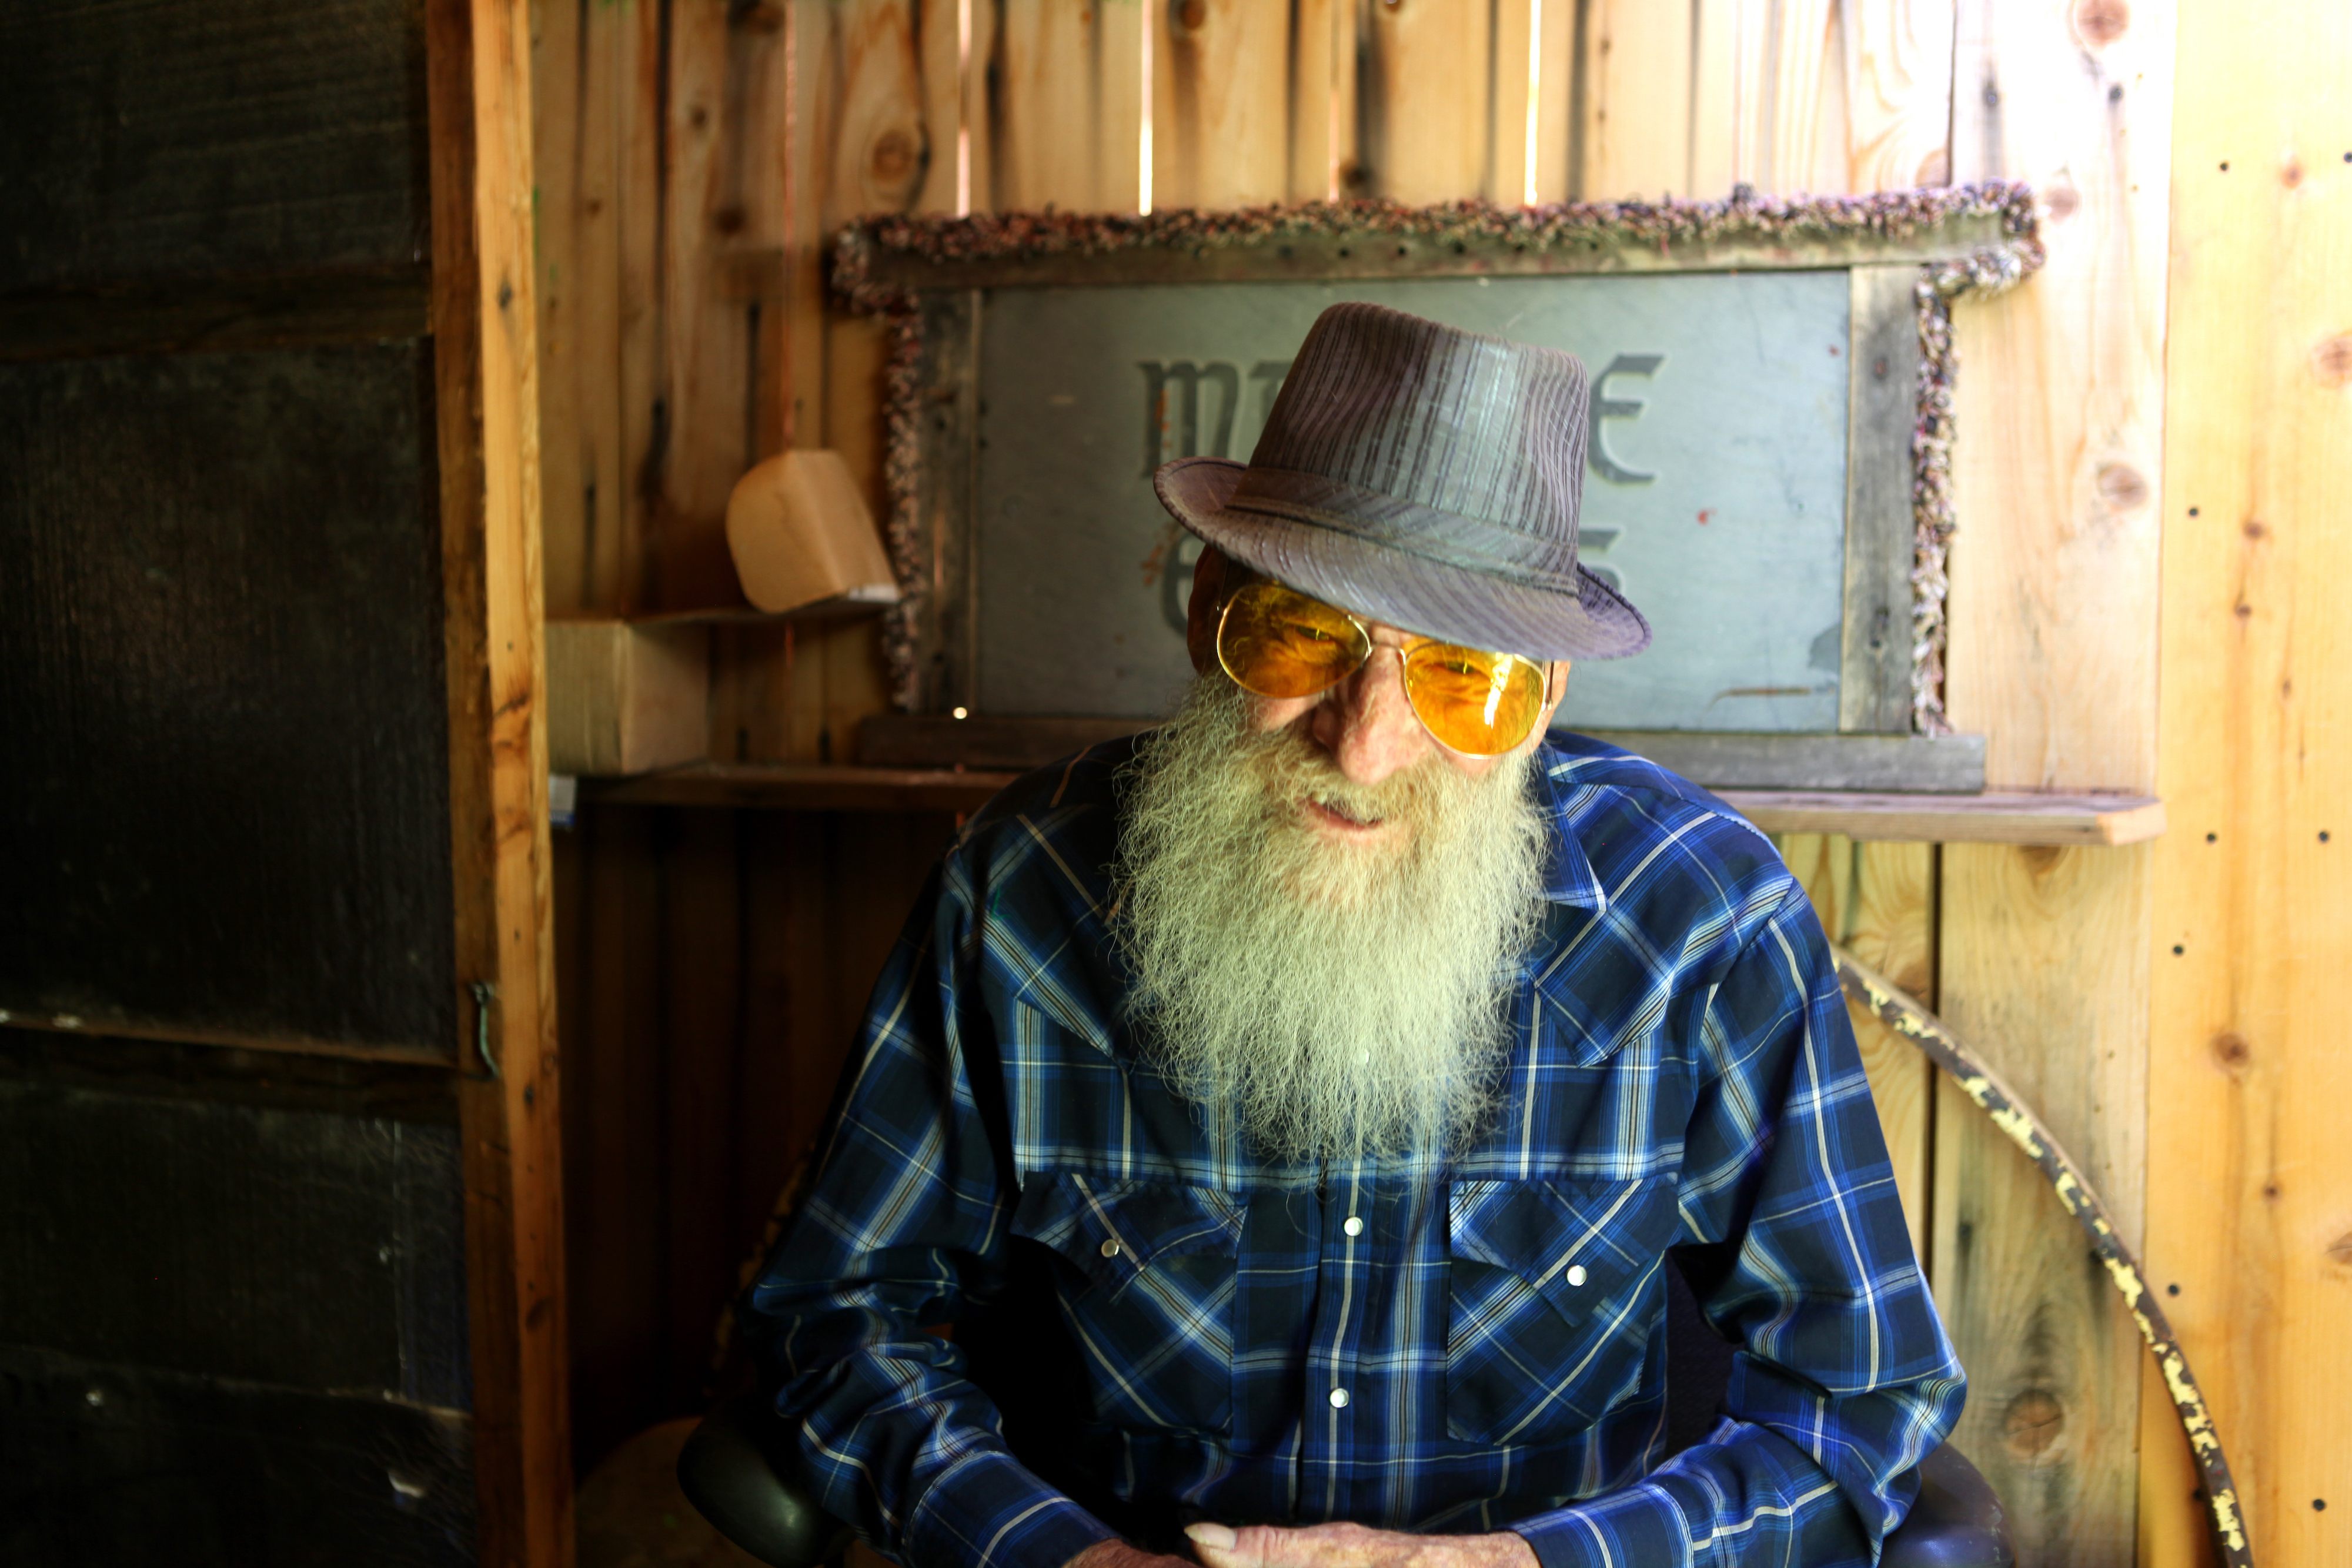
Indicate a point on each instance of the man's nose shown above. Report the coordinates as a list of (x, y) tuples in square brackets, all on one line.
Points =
[(1367, 723)]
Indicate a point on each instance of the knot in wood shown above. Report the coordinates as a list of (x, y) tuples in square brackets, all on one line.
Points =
[(2099, 23), (2332, 361), (2230, 1050), (2032, 1423), (893, 159), (2121, 488)]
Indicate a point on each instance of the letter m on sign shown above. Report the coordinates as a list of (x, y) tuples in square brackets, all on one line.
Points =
[(1171, 410)]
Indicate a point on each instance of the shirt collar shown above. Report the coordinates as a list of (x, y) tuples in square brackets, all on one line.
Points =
[(1568, 876)]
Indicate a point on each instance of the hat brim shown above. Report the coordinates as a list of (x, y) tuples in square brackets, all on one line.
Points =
[(1409, 591)]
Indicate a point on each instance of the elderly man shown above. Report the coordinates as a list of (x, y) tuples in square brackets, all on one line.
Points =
[(1288, 1112)]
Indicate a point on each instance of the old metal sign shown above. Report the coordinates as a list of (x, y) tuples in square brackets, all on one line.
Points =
[(1714, 499)]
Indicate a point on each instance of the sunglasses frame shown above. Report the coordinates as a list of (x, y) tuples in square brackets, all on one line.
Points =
[(1372, 648)]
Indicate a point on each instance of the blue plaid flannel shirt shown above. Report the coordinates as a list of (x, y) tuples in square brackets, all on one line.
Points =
[(1172, 1330)]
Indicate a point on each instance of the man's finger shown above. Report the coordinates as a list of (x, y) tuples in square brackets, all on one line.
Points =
[(1270, 1546), (1218, 1546), (1257, 1546)]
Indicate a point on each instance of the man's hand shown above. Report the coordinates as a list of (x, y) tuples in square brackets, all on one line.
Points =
[(1353, 1546), (1116, 1554)]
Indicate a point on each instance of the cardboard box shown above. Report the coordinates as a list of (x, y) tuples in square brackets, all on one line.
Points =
[(626, 698)]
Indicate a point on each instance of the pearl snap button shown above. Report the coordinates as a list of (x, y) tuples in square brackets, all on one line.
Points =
[(1339, 1399), (1110, 1249), (1352, 1226), (1576, 1275)]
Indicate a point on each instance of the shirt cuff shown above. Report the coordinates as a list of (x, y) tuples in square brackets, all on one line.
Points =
[(988, 1509), (1639, 1527)]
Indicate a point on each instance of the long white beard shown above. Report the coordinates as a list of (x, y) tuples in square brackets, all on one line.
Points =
[(1340, 999)]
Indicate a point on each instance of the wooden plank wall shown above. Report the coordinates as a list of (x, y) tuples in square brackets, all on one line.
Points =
[(2043, 953), (668, 229), (2249, 1180)]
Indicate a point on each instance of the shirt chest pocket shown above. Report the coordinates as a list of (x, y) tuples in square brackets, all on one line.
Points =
[(1145, 1275), (1553, 1293)]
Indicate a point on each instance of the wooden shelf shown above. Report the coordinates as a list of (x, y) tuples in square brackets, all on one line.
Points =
[(802, 787), (1991, 818), (840, 607), (1988, 819)]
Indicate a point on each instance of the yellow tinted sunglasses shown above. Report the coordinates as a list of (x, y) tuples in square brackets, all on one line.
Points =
[(1276, 642)]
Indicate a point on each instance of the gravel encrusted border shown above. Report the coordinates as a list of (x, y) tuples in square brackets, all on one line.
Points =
[(1743, 217)]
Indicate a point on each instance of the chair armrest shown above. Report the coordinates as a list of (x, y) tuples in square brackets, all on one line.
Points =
[(730, 1470), (1956, 1522)]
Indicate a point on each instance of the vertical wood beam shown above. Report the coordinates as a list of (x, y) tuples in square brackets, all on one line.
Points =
[(556, 49), (1898, 93), (2060, 403), (1321, 138), (1220, 109), (2250, 1189), (880, 133), (1514, 44), (1066, 105), (2053, 607), (485, 320), (643, 421), (2044, 970), (1424, 85), (1553, 39), (1724, 49), (1635, 128)]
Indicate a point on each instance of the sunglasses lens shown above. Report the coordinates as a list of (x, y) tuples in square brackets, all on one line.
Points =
[(1478, 703), (1278, 643)]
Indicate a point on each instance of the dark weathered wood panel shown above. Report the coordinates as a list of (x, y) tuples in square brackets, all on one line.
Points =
[(297, 1248), (215, 315), (226, 801), (174, 138), (106, 1464), (715, 966), (362, 1084)]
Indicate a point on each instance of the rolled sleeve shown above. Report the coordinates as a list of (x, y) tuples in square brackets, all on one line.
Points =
[(1638, 1527), (988, 1509)]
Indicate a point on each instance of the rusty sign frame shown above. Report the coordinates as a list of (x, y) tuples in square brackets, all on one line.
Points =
[(1907, 255)]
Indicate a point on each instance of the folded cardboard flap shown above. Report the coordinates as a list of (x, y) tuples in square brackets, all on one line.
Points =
[(626, 698), (801, 533)]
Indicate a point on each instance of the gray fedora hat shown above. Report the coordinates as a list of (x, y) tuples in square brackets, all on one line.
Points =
[(1424, 476)]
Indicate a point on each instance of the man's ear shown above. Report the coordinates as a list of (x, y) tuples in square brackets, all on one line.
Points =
[(1201, 614), (1558, 677)]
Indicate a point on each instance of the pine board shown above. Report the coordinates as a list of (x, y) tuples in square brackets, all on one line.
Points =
[(1220, 103), (1066, 104), (2043, 971), (1425, 102), (2052, 657), (2250, 1185)]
